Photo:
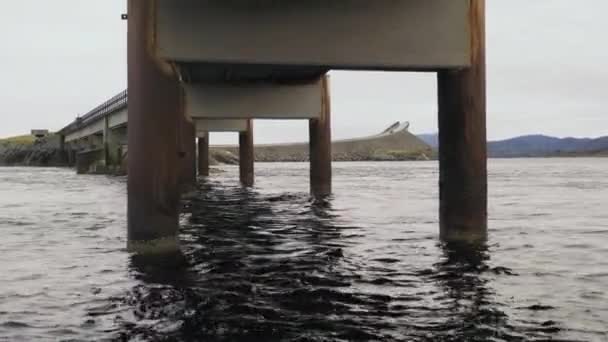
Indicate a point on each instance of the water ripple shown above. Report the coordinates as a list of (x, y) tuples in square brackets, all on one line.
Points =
[(268, 265)]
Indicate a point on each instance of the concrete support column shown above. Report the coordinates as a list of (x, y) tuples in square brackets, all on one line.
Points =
[(62, 143), (246, 155), (187, 154), (72, 157), (62, 150), (72, 146), (110, 145), (462, 141), (203, 156), (69, 150), (88, 143), (320, 146), (155, 110)]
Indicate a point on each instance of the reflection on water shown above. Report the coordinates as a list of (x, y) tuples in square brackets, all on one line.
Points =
[(270, 265), (475, 314), (259, 267)]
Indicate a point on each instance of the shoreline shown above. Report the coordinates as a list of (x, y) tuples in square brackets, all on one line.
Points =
[(397, 145), (65, 165)]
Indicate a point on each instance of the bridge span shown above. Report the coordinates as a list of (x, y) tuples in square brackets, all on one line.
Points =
[(202, 65), (97, 141)]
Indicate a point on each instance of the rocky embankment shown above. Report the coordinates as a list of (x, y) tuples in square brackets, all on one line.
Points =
[(31, 152)]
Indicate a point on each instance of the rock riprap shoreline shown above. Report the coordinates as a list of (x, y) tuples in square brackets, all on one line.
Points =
[(28, 151)]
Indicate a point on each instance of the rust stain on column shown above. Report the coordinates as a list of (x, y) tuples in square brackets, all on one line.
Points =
[(246, 155), (203, 156), (155, 108), (462, 141), (320, 146)]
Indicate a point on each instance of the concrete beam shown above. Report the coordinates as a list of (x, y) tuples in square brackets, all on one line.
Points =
[(203, 126), (253, 100), (348, 34), (86, 131), (116, 119)]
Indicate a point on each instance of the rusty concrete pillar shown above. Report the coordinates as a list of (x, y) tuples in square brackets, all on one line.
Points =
[(320, 146), (246, 155), (187, 154), (155, 110), (203, 156), (462, 141)]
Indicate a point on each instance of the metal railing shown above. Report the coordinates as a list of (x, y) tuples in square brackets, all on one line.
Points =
[(117, 102)]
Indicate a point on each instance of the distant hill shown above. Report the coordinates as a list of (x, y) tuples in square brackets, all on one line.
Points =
[(542, 145), (538, 146), (394, 143), (430, 139)]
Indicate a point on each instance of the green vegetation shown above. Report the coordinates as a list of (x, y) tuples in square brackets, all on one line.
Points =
[(19, 140)]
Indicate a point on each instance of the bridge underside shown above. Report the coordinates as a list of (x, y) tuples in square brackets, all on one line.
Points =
[(261, 100), (204, 126), (287, 40), (195, 61), (208, 72)]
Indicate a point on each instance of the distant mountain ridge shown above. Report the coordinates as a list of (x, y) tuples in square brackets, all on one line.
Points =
[(431, 139), (537, 145)]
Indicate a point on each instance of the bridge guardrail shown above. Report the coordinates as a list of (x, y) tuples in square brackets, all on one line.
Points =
[(115, 103)]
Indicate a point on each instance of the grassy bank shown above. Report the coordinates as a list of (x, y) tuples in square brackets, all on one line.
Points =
[(25, 139), (26, 150)]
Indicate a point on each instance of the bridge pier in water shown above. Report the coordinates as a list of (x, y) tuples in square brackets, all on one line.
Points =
[(155, 110), (187, 155), (463, 185), (246, 155), (110, 146), (320, 146), (275, 84), (203, 155)]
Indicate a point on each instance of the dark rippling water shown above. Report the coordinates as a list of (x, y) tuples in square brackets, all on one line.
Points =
[(268, 265)]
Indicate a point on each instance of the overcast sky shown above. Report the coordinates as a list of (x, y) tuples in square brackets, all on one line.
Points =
[(547, 72)]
